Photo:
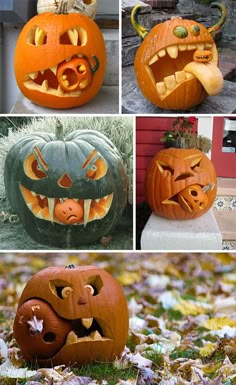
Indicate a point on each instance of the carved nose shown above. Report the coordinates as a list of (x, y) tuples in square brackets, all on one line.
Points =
[(82, 301), (65, 181)]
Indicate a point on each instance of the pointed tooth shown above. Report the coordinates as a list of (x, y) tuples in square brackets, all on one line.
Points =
[(33, 75), (40, 215), (51, 204), (42, 196), (33, 193), (71, 338), (82, 68), (83, 83), (60, 91), (73, 36), (87, 322), (200, 46), (161, 88), (68, 59), (173, 51), (54, 69), (180, 76), (106, 197), (45, 85), (64, 77), (66, 83), (95, 335), (162, 52), (75, 199), (42, 72), (30, 205), (182, 47), (87, 204), (97, 200), (170, 82), (191, 46), (153, 59), (80, 55)]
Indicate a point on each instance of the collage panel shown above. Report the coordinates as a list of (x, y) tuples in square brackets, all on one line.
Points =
[(66, 182), (60, 56), (178, 56), (185, 182), (171, 318)]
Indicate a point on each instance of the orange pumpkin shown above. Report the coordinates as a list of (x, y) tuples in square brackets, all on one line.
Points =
[(71, 315), (180, 183), (166, 68), (60, 60)]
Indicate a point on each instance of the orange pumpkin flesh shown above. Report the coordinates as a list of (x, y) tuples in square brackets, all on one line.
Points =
[(180, 183), (165, 68), (89, 308), (60, 60)]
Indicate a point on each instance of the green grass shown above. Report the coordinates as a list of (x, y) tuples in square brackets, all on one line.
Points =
[(106, 371)]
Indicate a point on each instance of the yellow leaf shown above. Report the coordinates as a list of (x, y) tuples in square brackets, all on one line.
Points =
[(190, 307), (129, 278), (208, 349), (219, 323)]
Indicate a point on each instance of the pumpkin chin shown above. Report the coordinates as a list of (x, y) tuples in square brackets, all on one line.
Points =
[(170, 68), (50, 209)]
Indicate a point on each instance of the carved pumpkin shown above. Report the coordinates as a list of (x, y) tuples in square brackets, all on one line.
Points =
[(87, 7), (66, 191), (180, 183), (71, 315), (60, 60), (176, 65)]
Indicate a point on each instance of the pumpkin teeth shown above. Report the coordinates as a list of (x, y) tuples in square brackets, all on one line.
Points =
[(87, 322), (169, 83), (94, 336), (43, 207)]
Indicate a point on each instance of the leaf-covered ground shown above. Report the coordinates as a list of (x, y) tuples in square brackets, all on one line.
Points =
[(182, 319)]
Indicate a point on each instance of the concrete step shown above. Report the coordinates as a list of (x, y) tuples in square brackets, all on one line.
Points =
[(111, 37)]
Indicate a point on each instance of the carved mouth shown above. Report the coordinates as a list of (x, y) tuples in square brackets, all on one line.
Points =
[(182, 65), (84, 330), (43, 207), (46, 80)]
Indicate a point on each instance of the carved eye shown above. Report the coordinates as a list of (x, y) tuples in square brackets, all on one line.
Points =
[(96, 169), (90, 289), (196, 163), (36, 36), (32, 168), (165, 169), (180, 31), (94, 285), (76, 36), (60, 288), (195, 30)]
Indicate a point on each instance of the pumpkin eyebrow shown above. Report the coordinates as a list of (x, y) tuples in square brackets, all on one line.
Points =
[(39, 158), (88, 160)]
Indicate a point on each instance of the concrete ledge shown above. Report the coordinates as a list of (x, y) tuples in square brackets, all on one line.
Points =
[(195, 234), (226, 221), (105, 102)]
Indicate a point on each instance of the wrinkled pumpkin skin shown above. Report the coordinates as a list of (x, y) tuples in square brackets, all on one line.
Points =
[(62, 317), (68, 177), (180, 183), (43, 46)]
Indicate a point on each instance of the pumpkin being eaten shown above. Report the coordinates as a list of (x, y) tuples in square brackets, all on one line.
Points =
[(47, 208)]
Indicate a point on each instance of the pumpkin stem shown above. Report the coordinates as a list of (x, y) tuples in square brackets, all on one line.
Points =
[(140, 29), (95, 68), (223, 13), (62, 10), (59, 130)]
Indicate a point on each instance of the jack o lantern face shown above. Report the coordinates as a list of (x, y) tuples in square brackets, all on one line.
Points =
[(66, 192), (180, 183), (68, 209), (176, 65), (69, 317), (60, 60)]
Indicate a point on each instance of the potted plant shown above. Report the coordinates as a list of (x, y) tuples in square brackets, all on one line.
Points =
[(183, 135)]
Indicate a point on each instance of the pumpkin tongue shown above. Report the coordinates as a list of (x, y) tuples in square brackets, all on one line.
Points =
[(208, 75)]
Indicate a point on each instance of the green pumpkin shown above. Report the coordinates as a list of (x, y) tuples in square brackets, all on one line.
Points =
[(66, 191)]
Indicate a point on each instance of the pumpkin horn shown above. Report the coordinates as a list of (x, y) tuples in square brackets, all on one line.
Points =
[(95, 68), (140, 29), (216, 27), (59, 130)]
